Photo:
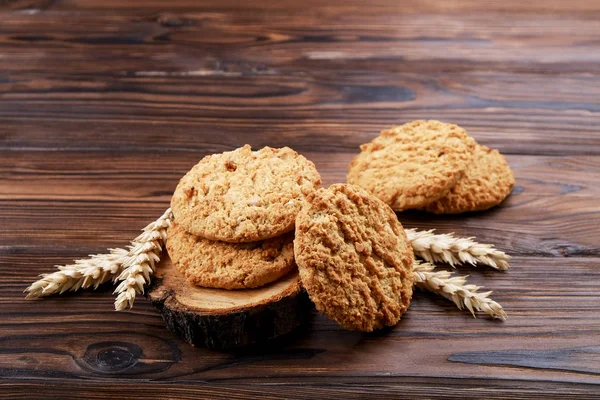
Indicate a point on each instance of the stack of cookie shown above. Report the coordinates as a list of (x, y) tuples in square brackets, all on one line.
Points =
[(432, 166), (234, 216), (233, 228)]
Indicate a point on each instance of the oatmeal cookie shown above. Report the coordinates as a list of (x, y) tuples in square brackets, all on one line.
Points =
[(244, 195), (485, 184), (412, 165), (354, 259), (224, 265)]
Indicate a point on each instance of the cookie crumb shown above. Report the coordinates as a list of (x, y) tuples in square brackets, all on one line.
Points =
[(230, 166)]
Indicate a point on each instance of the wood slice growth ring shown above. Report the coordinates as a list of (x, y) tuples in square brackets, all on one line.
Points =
[(222, 319)]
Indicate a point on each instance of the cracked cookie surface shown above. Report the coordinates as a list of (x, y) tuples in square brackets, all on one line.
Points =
[(354, 259), (412, 165), (244, 195), (485, 184), (223, 265)]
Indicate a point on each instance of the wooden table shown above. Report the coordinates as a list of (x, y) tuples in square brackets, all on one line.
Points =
[(104, 105)]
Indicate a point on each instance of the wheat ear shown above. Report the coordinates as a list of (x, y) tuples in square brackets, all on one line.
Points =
[(454, 250), (144, 253), (85, 273), (455, 289)]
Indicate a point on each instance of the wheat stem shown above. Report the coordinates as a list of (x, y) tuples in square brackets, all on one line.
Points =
[(144, 253), (455, 289), (454, 250)]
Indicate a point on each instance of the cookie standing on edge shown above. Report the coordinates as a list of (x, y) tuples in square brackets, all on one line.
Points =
[(485, 184), (354, 259), (223, 265), (412, 165), (244, 195)]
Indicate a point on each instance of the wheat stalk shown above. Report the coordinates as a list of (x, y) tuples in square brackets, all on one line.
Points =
[(453, 250), (455, 289), (85, 273), (144, 253), (133, 266)]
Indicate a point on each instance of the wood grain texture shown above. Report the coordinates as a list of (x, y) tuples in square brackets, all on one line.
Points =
[(104, 105), (227, 319)]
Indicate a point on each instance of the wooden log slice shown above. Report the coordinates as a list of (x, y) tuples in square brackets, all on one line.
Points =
[(223, 319)]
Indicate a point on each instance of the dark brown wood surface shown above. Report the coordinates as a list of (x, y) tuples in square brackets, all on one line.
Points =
[(104, 105)]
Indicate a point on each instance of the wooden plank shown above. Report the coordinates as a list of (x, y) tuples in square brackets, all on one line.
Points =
[(235, 40), (81, 337), (266, 76), (550, 133), (86, 202), (350, 6), (105, 105), (308, 388), (162, 113)]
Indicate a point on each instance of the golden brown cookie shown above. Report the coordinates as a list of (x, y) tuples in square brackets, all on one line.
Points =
[(411, 165), (223, 265), (354, 259), (485, 184), (244, 195)]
